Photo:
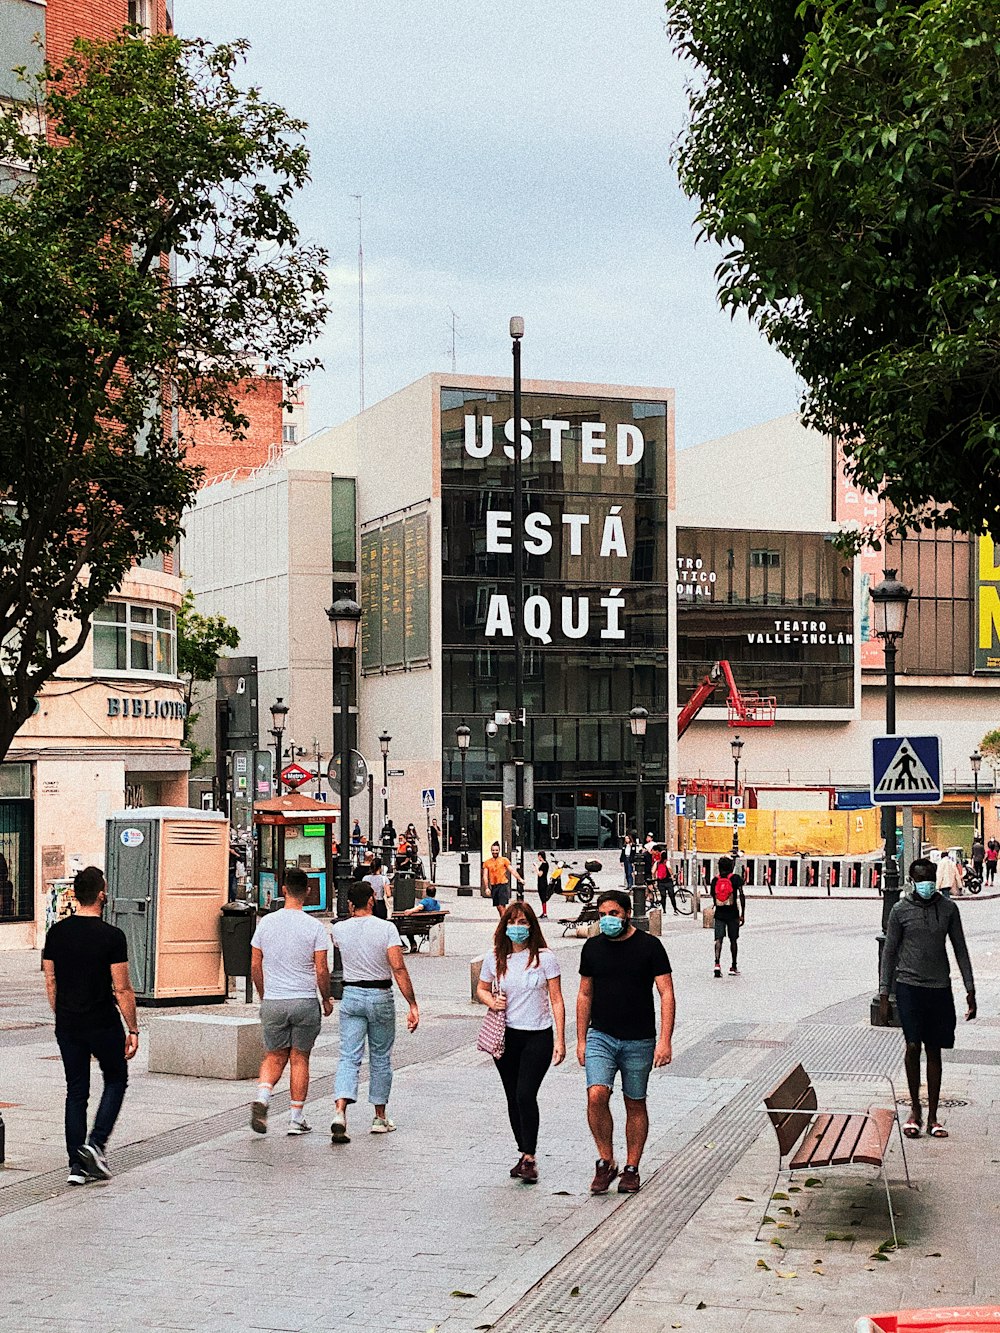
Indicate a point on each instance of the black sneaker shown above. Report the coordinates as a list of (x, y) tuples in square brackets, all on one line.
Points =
[(718, 971), (94, 1162), (77, 1176)]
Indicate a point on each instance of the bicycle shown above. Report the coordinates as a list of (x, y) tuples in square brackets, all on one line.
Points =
[(683, 898)]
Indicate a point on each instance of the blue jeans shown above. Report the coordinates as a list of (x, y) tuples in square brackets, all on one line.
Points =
[(607, 1055), (365, 1014), (107, 1045), (629, 874)]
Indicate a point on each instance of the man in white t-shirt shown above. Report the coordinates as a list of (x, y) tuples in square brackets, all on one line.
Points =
[(289, 962), (372, 954)]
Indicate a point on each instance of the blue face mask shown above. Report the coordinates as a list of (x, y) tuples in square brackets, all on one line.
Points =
[(518, 934), (611, 925), (926, 888)]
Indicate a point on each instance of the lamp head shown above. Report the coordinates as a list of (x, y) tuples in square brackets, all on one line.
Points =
[(383, 741), (736, 745), (463, 735), (975, 759), (516, 326), (890, 600), (637, 719), (345, 620), (279, 711)]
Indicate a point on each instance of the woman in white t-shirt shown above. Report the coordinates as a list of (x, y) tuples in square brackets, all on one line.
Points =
[(526, 971)]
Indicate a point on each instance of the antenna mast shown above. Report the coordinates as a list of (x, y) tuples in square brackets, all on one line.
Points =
[(361, 307)]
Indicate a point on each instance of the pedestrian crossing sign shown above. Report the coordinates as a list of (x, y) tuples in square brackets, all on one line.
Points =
[(906, 770)]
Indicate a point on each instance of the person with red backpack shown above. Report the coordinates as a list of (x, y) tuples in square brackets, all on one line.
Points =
[(730, 910)]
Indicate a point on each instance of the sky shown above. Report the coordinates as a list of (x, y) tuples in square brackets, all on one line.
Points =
[(511, 159)]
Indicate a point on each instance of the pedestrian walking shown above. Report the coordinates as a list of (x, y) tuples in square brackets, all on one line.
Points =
[(948, 877), (664, 881), (434, 837), (85, 961), (497, 874), (978, 854), (992, 852), (372, 954), (356, 841), (520, 978), (289, 964), (412, 837), (730, 911), (915, 966), (627, 859), (616, 1032), (648, 856), (381, 889), (542, 882)]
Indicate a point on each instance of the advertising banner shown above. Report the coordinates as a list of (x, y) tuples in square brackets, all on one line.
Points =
[(987, 660)]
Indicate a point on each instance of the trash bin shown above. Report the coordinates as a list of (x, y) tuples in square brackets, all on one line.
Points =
[(239, 920), (404, 893)]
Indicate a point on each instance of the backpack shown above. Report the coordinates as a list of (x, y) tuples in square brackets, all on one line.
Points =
[(724, 896)]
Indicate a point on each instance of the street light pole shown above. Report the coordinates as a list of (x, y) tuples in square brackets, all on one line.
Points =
[(975, 759), (517, 333), (384, 742), (736, 745), (345, 619), (637, 719), (279, 711), (890, 600), (463, 735)]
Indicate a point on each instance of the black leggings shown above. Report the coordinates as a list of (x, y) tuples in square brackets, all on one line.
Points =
[(524, 1063)]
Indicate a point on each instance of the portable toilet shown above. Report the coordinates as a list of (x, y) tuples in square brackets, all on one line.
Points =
[(167, 870)]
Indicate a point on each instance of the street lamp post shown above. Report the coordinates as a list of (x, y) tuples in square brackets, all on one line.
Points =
[(384, 742), (975, 759), (516, 334), (279, 711), (637, 719), (463, 735), (345, 620), (736, 745), (890, 600)]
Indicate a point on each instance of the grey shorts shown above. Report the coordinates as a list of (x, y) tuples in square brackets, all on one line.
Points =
[(290, 1023)]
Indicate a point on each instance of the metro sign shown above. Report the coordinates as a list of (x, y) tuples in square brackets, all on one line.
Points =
[(295, 775)]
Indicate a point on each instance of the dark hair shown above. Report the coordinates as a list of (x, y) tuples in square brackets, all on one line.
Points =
[(296, 882), (923, 869), (616, 896), (87, 885), (360, 895), (376, 864), (502, 946), (495, 844), (725, 865)]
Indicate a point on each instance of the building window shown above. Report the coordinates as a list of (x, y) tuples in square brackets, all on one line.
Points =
[(139, 14), (288, 433), (765, 559), (344, 525), (141, 639)]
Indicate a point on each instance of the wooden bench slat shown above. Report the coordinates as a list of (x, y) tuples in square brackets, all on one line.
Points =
[(795, 1100), (874, 1137), (846, 1148), (809, 1144)]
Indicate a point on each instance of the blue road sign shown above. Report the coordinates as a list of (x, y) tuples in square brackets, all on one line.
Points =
[(427, 798), (906, 770)]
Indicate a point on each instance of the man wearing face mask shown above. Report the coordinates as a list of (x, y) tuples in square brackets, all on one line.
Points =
[(616, 1032), (915, 958)]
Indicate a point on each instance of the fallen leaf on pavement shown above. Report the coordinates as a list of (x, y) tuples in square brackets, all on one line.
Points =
[(575, 1291), (779, 1195), (879, 1258), (566, 1192), (787, 1274), (701, 1306), (840, 1235), (776, 1241), (465, 1295), (794, 1189), (934, 1254), (709, 1145), (783, 1226), (742, 1198), (784, 1209), (766, 1219), (762, 1264), (813, 1183)]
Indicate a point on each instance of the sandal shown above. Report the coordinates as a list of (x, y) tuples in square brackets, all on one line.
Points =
[(937, 1131), (911, 1129)]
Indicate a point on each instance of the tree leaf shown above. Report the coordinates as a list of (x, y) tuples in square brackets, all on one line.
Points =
[(742, 1198), (465, 1295), (574, 1291), (762, 1264)]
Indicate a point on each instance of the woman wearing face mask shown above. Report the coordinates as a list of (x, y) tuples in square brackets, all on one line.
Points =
[(526, 972)]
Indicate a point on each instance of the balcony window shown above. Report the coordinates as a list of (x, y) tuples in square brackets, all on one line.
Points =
[(139, 639)]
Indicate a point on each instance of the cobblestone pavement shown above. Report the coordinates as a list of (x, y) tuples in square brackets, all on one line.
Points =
[(423, 1229)]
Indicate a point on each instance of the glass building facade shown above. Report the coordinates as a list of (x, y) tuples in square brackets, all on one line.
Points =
[(594, 555)]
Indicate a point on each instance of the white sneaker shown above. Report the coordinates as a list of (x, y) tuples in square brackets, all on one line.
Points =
[(298, 1127), (382, 1125), (77, 1176)]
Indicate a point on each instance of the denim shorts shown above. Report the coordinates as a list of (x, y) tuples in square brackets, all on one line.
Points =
[(291, 1024), (606, 1056)]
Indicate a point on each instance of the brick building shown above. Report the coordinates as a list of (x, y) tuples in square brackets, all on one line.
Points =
[(275, 424)]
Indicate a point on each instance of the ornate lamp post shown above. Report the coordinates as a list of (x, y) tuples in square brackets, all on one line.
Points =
[(637, 719), (976, 759), (384, 742), (463, 735), (890, 600), (345, 621), (736, 745), (516, 334), (279, 711)]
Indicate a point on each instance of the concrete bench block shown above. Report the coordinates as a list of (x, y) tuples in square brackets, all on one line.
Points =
[(435, 941), (655, 917), (206, 1046)]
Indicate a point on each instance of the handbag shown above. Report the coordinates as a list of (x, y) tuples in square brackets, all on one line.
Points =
[(492, 1039)]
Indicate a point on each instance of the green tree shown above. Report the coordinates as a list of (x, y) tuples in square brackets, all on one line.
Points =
[(845, 155), (200, 640), (148, 263)]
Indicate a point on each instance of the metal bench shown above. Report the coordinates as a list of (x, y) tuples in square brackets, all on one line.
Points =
[(418, 926), (827, 1136)]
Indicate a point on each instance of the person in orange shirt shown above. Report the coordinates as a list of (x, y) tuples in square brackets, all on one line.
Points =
[(497, 873)]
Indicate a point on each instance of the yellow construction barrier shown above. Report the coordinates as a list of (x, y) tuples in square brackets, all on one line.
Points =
[(791, 832)]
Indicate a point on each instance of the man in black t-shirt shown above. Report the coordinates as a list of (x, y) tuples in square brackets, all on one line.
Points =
[(730, 909), (616, 1032), (87, 979)]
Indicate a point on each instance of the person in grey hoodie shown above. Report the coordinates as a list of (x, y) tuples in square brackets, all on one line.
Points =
[(915, 966)]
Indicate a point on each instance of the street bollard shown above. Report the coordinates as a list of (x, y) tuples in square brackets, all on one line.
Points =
[(3, 1141)]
